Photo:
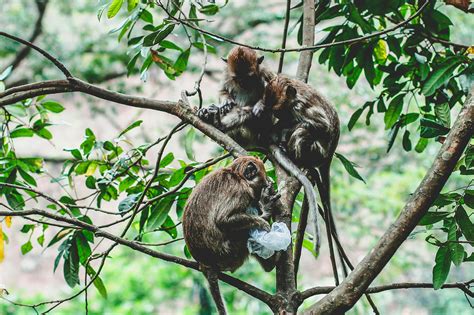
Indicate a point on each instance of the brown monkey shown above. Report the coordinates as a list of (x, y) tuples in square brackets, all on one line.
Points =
[(216, 226), (241, 113), (307, 127)]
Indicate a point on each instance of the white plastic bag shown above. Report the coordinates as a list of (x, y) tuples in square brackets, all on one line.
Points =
[(265, 244)]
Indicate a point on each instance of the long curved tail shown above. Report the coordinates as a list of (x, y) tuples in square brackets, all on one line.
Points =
[(324, 188), (291, 168)]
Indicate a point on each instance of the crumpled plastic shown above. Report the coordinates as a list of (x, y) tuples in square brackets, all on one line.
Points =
[(265, 244)]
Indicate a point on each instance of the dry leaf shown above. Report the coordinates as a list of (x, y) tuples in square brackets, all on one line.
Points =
[(8, 221)]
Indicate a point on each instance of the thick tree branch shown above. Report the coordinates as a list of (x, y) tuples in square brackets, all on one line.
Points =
[(346, 295), (179, 109), (306, 57)]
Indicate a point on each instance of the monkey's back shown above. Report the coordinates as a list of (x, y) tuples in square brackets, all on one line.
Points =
[(217, 194), (320, 121)]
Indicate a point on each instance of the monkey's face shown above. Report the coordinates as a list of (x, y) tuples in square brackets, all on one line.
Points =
[(252, 170), (279, 95), (243, 66)]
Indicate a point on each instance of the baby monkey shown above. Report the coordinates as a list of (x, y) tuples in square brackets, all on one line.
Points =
[(216, 225), (241, 113)]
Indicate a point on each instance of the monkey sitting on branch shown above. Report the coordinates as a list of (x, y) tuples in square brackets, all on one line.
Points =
[(308, 129), (217, 226), (241, 114), (244, 117)]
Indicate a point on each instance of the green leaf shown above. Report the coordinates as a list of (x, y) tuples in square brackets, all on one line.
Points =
[(126, 183), (27, 177), (44, 133), (354, 118), (406, 141), (441, 268), (98, 283), (469, 198), (75, 153), (349, 166), (156, 37), (440, 76), (393, 136), (182, 61), (133, 125), (170, 45), (146, 16), (6, 73), (421, 145), (21, 133), (393, 111), (52, 106), (83, 247), (128, 203), (381, 51), (457, 253), (433, 217), (167, 160), (27, 247), (443, 113), (210, 9), (464, 222), (431, 129), (114, 8), (71, 266), (188, 143), (159, 212), (90, 182), (132, 4)]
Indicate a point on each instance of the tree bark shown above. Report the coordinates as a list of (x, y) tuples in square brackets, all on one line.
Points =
[(343, 297)]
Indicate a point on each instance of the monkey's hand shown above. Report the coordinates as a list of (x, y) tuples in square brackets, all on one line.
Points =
[(209, 114), (227, 106), (258, 109), (268, 200)]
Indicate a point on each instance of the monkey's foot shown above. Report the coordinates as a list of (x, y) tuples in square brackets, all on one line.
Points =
[(208, 114)]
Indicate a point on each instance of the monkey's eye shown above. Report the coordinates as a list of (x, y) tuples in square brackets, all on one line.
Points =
[(250, 171)]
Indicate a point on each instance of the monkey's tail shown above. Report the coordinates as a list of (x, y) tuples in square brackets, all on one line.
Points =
[(212, 279), (324, 188), (291, 168)]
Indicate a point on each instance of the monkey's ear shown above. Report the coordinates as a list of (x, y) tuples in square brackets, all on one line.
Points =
[(290, 91), (224, 59), (250, 171), (260, 59)]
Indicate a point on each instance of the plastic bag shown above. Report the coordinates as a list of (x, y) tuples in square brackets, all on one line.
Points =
[(265, 244)]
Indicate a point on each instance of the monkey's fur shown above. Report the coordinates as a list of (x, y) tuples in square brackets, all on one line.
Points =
[(241, 114), (308, 128), (307, 123), (216, 225)]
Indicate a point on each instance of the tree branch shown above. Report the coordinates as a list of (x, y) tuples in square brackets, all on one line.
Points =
[(346, 295), (306, 57), (285, 34), (241, 285), (299, 49), (38, 28), (464, 286), (179, 109)]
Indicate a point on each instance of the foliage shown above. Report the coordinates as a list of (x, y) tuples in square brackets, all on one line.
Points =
[(418, 76)]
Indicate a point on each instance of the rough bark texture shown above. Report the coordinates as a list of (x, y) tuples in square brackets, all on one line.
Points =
[(343, 297)]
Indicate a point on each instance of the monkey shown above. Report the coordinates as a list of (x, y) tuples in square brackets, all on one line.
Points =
[(217, 219), (242, 114), (308, 128)]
